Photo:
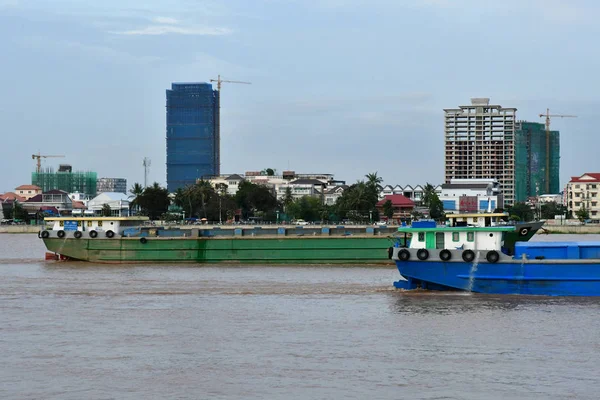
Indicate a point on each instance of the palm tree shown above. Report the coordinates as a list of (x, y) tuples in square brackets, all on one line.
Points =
[(136, 190), (221, 189), (428, 192), (373, 180), (288, 198)]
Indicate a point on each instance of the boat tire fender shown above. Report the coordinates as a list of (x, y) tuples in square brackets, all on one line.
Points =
[(422, 254), (77, 234), (468, 255), (390, 252), (524, 231), (109, 234), (445, 255), (492, 256), (45, 234), (93, 234), (143, 240), (403, 255), (60, 234)]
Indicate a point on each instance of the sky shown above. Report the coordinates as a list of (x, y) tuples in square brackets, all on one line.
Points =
[(347, 87)]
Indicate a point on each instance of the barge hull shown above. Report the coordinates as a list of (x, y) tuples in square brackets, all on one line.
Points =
[(300, 250)]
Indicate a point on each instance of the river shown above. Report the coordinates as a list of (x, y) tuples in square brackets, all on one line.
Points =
[(87, 331)]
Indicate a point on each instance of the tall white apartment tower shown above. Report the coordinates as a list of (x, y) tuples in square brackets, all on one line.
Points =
[(480, 144)]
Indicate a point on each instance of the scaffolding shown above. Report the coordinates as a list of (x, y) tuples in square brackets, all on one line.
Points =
[(531, 159), (68, 181)]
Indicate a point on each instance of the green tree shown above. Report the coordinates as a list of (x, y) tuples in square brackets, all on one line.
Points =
[(582, 214), (288, 199), (136, 190), (373, 180), (154, 201), (106, 210), (16, 212), (357, 201), (268, 171), (550, 210), (388, 210), (436, 207), (522, 211), (428, 194), (252, 198)]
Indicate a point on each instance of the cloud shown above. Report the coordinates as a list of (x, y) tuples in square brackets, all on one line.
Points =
[(165, 20), (155, 30)]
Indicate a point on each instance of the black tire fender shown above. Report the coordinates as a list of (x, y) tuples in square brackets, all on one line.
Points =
[(423, 254), (445, 255), (492, 257), (468, 255), (143, 240), (45, 234), (60, 234), (390, 252), (403, 255), (110, 234), (77, 234), (93, 234)]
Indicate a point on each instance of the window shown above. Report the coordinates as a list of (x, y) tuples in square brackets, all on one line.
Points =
[(99, 223), (577, 194), (61, 223), (576, 186), (89, 223), (421, 236), (455, 236), (577, 204), (470, 236)]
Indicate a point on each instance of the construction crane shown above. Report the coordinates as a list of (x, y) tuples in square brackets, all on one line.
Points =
[(218, 135), (39, 157), (548, 116), (219, 81)]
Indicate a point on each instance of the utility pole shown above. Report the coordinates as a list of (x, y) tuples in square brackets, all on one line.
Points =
[(548, 116), (218, 121), (146, 163)]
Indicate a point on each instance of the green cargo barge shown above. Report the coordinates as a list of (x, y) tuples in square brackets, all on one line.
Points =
[(118, 240)]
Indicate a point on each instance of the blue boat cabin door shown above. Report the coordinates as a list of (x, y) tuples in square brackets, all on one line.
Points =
[(439, 240)]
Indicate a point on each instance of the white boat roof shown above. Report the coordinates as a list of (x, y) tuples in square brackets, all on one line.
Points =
[(96, 218)]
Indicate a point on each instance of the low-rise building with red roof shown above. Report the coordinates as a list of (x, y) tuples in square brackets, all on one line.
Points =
[(402, 205), (583, 192)]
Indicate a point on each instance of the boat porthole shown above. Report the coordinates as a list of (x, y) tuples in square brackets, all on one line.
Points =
[(468, 255), (403, 255), (492, 256), (77, 234), (143, 240), (45, 234), (60, 234), (445, 255), (422, 254), (491, 235)]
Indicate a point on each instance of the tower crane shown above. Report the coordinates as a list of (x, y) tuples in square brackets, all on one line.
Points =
[(548, 116), (218, 135), (39, 157)]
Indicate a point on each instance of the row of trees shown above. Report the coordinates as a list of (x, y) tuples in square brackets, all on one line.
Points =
[(202, 200)]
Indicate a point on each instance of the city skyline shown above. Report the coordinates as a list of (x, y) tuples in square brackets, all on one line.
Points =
[(347, 87)]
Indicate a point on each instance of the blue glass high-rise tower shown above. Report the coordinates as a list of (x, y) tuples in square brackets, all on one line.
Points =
[(193, 142)]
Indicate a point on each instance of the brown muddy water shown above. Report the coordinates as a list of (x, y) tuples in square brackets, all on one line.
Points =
[(89, 331)]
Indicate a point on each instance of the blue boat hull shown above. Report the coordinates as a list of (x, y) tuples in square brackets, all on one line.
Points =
[(530, 277)]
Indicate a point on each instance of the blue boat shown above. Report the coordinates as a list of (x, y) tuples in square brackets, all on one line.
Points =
[(473, 258)]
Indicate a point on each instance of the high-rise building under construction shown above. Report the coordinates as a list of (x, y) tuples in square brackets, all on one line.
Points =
[(193, 141), (484, 141), (480, 144), (531, 156)]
